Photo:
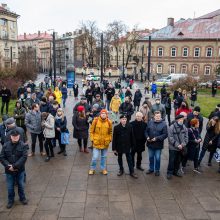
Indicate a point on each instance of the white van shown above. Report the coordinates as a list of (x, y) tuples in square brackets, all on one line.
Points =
[(174, 77)]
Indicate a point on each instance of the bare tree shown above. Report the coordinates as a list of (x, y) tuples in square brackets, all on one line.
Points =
[(116, 30)]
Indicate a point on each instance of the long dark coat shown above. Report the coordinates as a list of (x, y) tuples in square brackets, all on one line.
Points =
[(81, 127), (139, 128), (137, 98)]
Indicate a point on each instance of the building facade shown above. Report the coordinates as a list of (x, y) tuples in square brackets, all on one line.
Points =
[(8, 37)]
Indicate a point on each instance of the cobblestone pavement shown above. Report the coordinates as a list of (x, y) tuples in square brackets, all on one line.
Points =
[(61, 189)]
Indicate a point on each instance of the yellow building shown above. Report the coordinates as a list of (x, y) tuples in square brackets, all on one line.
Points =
[(8, 37)]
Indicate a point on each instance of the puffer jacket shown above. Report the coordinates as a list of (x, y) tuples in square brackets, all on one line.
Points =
[(49, 127), (177, 135), (19, 116), (58, 95), (33, 122), (101, 133), (115, 104)]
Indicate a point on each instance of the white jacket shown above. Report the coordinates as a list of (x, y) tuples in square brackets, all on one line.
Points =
[(49, 127)]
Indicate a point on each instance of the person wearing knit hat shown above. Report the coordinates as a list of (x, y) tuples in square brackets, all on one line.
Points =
[(80, 108), (83, 103), (100, 136), (193, 146)]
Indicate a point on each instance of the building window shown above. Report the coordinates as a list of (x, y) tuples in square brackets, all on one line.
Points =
[(183, 69), (7, 53), (185, 52), (197, 52), (209, 52), (3, 22), (173, 52), (160, 52), (195, 69), (159, 68), (172, 69), (207, 70)]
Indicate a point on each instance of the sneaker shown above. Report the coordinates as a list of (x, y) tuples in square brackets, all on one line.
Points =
[(157, 173), (120, 173), (31, 154), (104, 172), (169, 176), (196, 170), (47, 159), (24, 202), (178, 174), (182, 170), (91, 172), (64, 153), (149, 172), (134, 175), (9, 205)]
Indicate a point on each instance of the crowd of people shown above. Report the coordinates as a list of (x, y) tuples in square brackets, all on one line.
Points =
[(104, 114)]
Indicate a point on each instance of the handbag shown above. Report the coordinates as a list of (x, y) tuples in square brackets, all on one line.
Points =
[(65, 137), (217, 155)]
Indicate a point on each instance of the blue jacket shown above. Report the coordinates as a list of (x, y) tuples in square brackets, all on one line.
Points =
[(154, 88), (64, 92)]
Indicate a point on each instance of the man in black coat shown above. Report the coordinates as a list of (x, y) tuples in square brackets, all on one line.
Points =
[(5, 93), (126, 108), (139, 127), (110, 92), (122, 143), (13, 157)]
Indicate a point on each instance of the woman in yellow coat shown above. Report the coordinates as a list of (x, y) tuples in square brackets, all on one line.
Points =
[(100, 136), (58, 95), (114, 106)]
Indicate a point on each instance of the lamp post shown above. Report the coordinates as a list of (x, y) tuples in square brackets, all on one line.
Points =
[(142, 63), (102, 57), (123, 64), (149, 58)]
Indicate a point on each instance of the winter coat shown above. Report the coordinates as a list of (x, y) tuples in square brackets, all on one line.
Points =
[(64, 92), (33, 122), (139, 128), (96, 91), (175, 131), (137, 98), (115, 104), (75, 90), (123, 138), (81, 126), (122, 96), (157, 130), (86, 106), (88, 94), (44, 107), (128, 94), (2, 133), (192, 145), (146, 113), (127, 109), (211, 136), (49, 127), (160, 108), (19, 116), (193, 96), (29, 102), (154, 88), (190, 116), (167, 104), (186, 110), (19, 130), (58, 95), (101, 133), (62, 124), (14, 154), (110, 92), (100, 103), (5, 94)]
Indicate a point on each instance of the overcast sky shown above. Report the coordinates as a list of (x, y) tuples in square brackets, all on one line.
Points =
[(65, 15)]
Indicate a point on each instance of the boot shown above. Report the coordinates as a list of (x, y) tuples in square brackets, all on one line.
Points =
[(86, 150)]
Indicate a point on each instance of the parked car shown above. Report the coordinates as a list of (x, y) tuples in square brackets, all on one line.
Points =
[(160, 82), (92, 77)]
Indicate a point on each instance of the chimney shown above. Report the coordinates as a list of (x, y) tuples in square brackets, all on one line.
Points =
[(170, 21), (38, 33), (24, 35)]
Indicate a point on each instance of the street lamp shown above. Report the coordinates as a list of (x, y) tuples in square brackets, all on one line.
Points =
[(149, 56), (142, 63)]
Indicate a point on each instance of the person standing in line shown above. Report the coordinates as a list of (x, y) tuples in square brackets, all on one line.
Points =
[(121, 95), (178, 139), (5, 93), (123, 142), (168, 107), (154, 90), (145, 112), (60, 126), (58, 95), (101, 137), (214, 88), (81, 128), (139, 127), (76, 91), (99, 101), (89, 95), (163, 94), (48, 125), (19, 115), (110, 92), (64, 92), (157, 106), (184, 108), (114, 107), (126, 108), (146, 87), (137, 99), (13, 157), (155, 133), (193, 97), (33, 125)]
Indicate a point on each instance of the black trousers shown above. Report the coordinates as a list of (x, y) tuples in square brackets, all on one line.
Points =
[(139, 158), (175, 158), (195, 158), (168, 118), (49, 147), (62, 146), (34, 139), (129, 161), (85, 141), (3, 106)]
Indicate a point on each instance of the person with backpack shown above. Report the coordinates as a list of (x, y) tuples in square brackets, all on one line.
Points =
[(101, 137)]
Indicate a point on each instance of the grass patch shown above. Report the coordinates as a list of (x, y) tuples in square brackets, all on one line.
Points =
[(11, 108)]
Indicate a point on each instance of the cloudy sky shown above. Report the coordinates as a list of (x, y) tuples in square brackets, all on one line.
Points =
[(65, 15)]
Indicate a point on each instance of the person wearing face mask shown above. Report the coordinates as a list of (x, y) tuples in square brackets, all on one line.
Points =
[(126, 108), (159, 107), (178, 139), (183, 108), (22, 100)]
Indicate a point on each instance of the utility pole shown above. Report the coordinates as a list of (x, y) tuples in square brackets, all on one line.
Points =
[(123, 64), (11, 57), (149, 58), (54, 58), (50, 71), (102, 57), (142, 63)]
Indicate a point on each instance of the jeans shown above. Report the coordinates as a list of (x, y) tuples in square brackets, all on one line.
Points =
[(202, 154), (49, 147), (19, 178), (139, 158), (175, 158), (3, 106), (154, 159), (115, 116), (34, 139), (129, 161), (95, 155), (64, 102), (108, 104)]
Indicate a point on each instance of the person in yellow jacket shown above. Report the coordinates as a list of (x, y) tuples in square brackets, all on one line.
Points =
[(114, 107), (58, 95), (100, 136)]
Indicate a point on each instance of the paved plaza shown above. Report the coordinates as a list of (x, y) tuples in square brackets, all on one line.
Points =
[(61, 189)]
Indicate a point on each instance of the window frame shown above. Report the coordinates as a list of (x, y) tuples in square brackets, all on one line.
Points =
[(205, 68), (194, 51), (171, 51)]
